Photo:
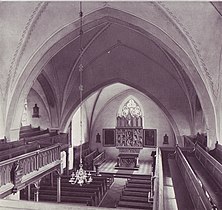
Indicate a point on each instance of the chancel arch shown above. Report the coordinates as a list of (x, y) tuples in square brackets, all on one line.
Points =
[(104, 95), (68, 33)]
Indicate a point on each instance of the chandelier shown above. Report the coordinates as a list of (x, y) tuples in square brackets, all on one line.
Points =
[(80, 176)]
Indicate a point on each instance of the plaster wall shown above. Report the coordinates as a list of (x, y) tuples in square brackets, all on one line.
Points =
[(43, 121), (153, 118)]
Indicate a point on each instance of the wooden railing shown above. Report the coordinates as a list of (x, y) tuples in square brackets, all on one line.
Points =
[(210, 163), (13, 170), (99, 159), (194, 186), (157, 180)]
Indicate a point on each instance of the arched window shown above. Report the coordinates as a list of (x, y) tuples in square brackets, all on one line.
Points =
[(130, 115), (131, 108)]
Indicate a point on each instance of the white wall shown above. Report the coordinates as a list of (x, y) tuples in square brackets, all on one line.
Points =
[(43, 121), (153, 119)]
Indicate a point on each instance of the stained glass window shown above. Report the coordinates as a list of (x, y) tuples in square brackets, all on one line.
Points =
[(131, 108)]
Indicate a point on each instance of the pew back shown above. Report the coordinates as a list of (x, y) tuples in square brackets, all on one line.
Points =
[(99, 159), (194, 187), (157, 183), (210, 164)]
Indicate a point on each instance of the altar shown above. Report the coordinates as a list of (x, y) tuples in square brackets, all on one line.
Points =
[(127, 161)]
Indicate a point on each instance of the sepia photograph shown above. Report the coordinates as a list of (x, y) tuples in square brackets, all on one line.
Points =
[(110, 105)]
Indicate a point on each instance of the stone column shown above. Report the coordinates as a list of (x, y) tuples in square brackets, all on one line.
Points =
[(29, 192), (59, 189), (67, 161)]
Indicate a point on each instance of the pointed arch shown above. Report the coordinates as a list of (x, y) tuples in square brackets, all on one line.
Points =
[(65, 35)]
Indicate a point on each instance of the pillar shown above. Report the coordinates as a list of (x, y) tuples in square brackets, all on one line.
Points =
[(29, 192), (59, 189), (67, 162)]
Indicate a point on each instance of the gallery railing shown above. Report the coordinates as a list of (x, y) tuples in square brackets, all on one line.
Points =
[(12, 171), (157, 183), (195, 187)]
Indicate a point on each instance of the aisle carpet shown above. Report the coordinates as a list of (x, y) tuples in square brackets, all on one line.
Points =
[(113, 194)]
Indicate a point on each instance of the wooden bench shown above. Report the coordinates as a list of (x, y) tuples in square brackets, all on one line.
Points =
[(95, 190), (49, 139), (139, 181), (134, 189), (217, 152), (72, 193), (98, 160), (200, 139), (13, 152), (95, 183), (10, 145), (134, 185), (137, 205), (136, 194), (66, 199), (30, 130), (88, 159)]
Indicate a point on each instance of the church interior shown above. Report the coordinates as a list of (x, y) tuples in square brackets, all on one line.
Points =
[(111, 104)]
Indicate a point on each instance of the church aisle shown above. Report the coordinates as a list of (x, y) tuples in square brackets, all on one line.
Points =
[(113, 194)]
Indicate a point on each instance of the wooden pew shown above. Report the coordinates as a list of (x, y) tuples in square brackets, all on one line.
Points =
[(217, 152), (34, 133), (96, 189), (101, 183), (197, 191), (13, 152), (210, 164), (70, 188), (10, 145), (65, 198), (76, 152), (25, 128), (27, 131), (76, 196), (98, 160), (88, 159), (135, 194), (200, 139)]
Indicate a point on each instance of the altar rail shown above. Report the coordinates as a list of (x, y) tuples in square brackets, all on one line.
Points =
[(157, 185), (99, 159), (26, 164), (210, 163), (197, 192)]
